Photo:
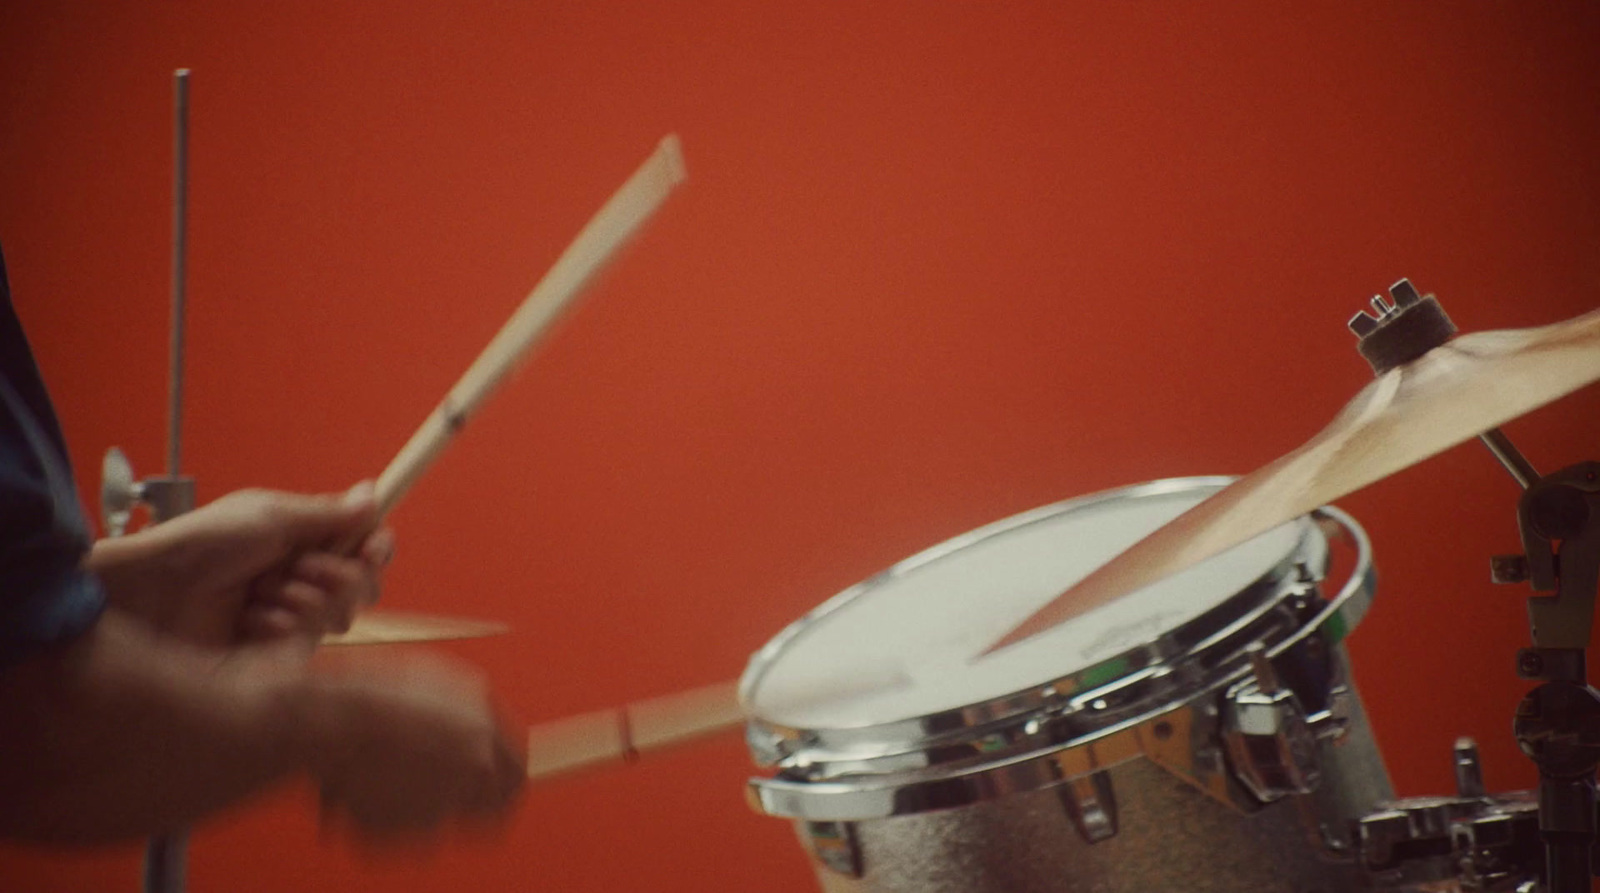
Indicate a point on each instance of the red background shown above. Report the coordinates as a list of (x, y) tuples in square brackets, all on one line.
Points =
[(935, 264)]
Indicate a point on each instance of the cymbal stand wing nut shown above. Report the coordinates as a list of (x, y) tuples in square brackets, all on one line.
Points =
[(1402, 328)]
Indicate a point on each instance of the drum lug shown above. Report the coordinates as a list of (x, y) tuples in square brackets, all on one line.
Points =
[(835, 845), (1091, 803), (765, 747), (1272, 747), (1333, 723)]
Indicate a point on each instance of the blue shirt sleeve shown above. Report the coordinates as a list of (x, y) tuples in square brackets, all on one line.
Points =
[(45, 595)]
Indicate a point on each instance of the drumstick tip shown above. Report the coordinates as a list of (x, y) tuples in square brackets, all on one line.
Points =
[(1008, 639), (671, 149)]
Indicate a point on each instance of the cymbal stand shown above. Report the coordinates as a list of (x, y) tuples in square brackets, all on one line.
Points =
[(1558, 723), (172, 494)]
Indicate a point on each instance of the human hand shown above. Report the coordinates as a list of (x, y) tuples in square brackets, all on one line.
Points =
[(401, 746), (254, 564)]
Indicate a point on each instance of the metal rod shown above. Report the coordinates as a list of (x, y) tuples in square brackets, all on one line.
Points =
[(166, 855), (180, 251), (1510, 457), (166, 863)]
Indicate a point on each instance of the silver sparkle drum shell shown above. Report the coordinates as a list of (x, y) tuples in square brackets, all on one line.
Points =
[(1109, 760)]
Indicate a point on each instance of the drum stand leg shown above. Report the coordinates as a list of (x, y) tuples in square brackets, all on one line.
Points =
[(165, 863), (166, 855), (1556, 725)]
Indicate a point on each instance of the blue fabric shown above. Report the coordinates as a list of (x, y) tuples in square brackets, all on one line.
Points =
[(45, 595)]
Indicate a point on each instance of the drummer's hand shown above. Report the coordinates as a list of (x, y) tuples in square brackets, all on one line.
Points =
[(412, 744), (251, 565)]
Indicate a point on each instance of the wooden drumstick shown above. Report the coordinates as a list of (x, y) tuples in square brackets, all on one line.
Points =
[(395, 627), (622, 734), (595, 246), (589, 253)]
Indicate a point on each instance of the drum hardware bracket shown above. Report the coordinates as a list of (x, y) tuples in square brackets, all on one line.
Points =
[(1333, 724), (1468, 768), (1272, 746), (1091, 804), (836, 845), (1481, 843)]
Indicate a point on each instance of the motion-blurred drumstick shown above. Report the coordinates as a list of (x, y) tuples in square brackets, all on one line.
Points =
[(621, 734), (394, 627), (1449, 395), (594, 247)]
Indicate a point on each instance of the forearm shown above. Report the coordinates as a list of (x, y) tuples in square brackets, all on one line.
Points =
[(122, 734)]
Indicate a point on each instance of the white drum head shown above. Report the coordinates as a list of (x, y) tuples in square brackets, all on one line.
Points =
[(905, 644)]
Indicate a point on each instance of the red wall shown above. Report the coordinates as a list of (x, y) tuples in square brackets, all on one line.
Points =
[(935, 264)]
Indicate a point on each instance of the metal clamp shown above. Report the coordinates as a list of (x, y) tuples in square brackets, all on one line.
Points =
[(1271, 746), (1476, 842)]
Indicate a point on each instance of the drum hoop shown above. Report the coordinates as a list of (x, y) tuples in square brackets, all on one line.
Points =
[(771, 742), (882, 796)]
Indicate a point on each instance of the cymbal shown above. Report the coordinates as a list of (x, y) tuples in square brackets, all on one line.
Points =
[(393, 627), (1449, 395)]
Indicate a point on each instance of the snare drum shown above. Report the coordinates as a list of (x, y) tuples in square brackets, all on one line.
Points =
[(1201, 734)]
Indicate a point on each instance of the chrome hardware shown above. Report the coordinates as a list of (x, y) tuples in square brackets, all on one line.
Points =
[(835, 845), (1474, 842), (1499, 849), (1487, 844), (1469, 769), (1273, 749), (1333, 723), (1092, 805), (1408, 842)]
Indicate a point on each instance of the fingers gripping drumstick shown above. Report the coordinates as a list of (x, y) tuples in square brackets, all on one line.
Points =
[(633, 204)]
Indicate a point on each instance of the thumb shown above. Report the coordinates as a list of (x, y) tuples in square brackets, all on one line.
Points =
[(311, 521)]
